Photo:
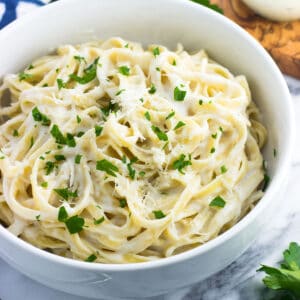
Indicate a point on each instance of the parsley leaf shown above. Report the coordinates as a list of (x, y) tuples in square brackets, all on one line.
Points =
[(218, 202), (75, 224), (89, 73), (287, 277), (106, 166), (160, 134), (59, 157), (98, 130), (44, 184), (158, 214), (57, 134), (80, 58), (66, 193), (181, 163), (209, 5), (147, 115), (152, 89), (78, 159), (62, 214), (111, 107), (70, 141), (156, 51), (179, 94), (39, 117), (99, 221), (179, 125), (170, 115), (123, 203), (24, 76), (223, 169), (91, 258), (49, 167), (60, 83), (124, 70), (15, 132), (78, 119)]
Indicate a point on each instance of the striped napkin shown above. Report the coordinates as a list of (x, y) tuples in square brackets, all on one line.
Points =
[(12, 9)]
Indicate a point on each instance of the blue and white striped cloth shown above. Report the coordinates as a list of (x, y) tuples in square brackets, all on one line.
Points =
[(12, 9)]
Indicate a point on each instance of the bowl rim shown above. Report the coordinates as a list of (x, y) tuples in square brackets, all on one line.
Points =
[(279, 177)]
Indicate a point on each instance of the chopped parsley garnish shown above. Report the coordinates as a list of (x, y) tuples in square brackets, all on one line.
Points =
[(57, 70), (209, 5), (42, 158), (174, 62), (287, 276), (57, 134), (157, 69), (223, 169), (70, 141), (66, 193), (62, 214), (49, 167), (60, 139), (160, 134), (45, 85), (39, 117), (99, 221), (142, 173), (80, 134), (179, 94), (75, 224), (265, 182), (218, 202), (274, 152), (158, 214), (60, 83), (214, 135), (59, 157), (152, 89), (131, 171), (156, 51), (111, 107), (15, 132), (78, 119), (141, 100), (89, 73), (78, 159), (80, 58), (91, 258), (181, 163), (179, 125), (147, 115), (170, 115), (127, 45), (106, 166), (123, 203), (120, 92), (221, 129), (44, 184), (24, 76), (124, 159), (31, 142), (200, 102), (124, 70), (212, 150), (30, 67)]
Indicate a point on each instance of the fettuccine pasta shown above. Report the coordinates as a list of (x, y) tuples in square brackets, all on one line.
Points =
[(115, 154)]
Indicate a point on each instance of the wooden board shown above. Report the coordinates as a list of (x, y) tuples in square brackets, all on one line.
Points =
[(281, 39)]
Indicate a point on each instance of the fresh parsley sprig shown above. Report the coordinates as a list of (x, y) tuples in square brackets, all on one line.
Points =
[(287, 276), (209, 5)]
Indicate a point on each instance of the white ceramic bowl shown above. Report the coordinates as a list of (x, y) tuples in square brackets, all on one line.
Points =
[(166, 22), (277, 10)]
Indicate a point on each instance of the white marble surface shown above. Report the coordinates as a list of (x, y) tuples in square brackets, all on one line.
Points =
[(239, 281)]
